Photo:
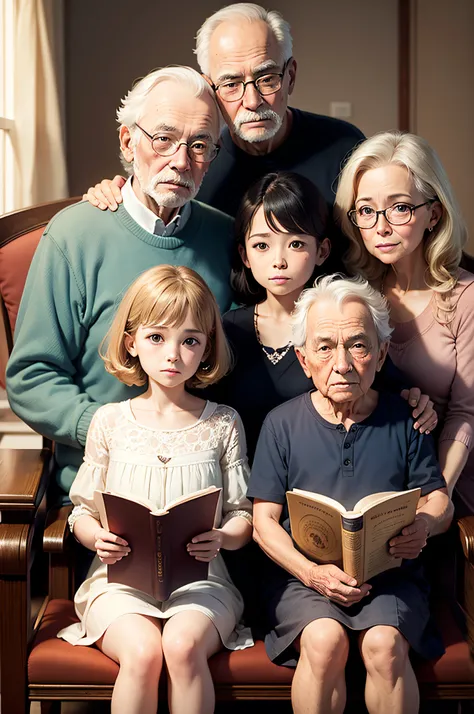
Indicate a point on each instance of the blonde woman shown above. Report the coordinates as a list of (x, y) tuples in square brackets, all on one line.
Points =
[(397, 207), (167, 334)]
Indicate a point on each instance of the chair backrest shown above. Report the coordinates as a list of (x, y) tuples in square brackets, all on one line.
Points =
[(20, 232)]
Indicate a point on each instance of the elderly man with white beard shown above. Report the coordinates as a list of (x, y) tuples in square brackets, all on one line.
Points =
[(86, 259), (246, 54)]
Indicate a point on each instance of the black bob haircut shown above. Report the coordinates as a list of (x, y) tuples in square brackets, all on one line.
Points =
[(290, 201)]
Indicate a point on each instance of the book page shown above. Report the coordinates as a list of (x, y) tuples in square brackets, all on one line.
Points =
[(184, 499), (319, 498), (98, 500), (149, 504), (315, 526), (100, 505), (381, 523), (373, 498)]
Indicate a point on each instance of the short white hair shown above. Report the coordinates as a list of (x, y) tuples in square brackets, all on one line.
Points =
[(339, 290), (132, 105), (250, 12)]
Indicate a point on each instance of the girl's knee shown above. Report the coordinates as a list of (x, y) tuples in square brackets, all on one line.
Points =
[(143, 658), (325, 644), (182, 651)]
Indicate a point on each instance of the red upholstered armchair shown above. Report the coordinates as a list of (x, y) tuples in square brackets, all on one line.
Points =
[(37, 582)]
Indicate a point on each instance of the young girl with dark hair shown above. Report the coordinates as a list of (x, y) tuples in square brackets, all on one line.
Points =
[(281, 247), (281, 243)]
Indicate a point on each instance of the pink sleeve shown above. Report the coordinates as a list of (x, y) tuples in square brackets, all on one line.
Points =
[(459, 421)]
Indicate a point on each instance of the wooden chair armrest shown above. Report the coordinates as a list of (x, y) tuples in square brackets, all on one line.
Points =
[(15, 547), (56, 532), (466, 534), (24, 476)]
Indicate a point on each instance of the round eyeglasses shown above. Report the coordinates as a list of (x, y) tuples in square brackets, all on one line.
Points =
[(201, 151), (232, 90), (396, 215)]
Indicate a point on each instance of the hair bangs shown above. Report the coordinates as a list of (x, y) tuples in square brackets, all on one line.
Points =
[(171, 305)]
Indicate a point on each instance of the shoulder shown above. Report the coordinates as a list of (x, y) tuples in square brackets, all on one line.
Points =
[(238, 317), (76, 219), (464, 286), (394, 412), (108, 415), (212, 216), (77, 233), (461, 300), (225, 416), (284, 415), (328, 126), (394, 402), (239, 329)]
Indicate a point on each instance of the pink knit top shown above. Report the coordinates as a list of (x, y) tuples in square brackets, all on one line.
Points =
[(439, 358)]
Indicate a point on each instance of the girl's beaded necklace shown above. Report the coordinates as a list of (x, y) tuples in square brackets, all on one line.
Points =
[(274, 355)]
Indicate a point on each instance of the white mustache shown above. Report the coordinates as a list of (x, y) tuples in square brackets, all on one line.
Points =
[(169, 178), (248, 116)]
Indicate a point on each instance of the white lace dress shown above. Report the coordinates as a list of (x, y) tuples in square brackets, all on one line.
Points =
[(122, 456)]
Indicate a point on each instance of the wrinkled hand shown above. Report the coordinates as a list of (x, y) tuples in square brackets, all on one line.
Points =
[(335, 584), (206, 546), (424, 412), (411, 540), (110, 547), (106, 194)]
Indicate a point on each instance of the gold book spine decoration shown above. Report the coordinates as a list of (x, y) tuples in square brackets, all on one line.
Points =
[(159, 552), (353, 547)]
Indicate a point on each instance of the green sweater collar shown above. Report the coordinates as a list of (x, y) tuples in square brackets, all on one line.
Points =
[(168, 243)]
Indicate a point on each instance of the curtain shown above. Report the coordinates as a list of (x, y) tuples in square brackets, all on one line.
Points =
[(38, 132)]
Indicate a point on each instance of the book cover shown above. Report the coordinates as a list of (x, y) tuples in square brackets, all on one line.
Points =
[(158, 562)]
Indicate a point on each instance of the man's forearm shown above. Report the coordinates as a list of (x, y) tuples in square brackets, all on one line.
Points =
[(50, 404), (278, 545)]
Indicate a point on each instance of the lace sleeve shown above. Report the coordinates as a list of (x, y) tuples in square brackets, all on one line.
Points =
[(92, 473), (235, 474)]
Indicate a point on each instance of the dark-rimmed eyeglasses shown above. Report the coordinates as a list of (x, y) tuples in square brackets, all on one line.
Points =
[(396, 215), (201, 151), (234, 89)]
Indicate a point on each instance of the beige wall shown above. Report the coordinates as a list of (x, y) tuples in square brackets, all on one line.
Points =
[(443, 96), (346, 51)]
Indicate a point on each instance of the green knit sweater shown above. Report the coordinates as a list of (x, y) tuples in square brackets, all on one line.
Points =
[(84, 263)]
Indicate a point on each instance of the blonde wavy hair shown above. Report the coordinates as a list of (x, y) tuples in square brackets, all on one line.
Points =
[(163, 295), (443, 247)]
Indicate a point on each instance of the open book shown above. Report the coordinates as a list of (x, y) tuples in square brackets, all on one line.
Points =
[(158, 562), (356, 540)]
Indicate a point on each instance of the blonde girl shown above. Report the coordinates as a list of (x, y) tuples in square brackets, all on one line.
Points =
[(167, 336)]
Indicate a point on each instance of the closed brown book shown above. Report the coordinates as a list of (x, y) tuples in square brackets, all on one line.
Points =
[(158, 562)]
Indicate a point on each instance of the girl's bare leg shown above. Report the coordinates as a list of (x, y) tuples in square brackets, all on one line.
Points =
[(189, 639), (319, 685), (134, 641), (391, 686)]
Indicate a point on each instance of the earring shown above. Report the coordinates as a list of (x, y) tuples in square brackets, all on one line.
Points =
[(431, 229), (205, 367)]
